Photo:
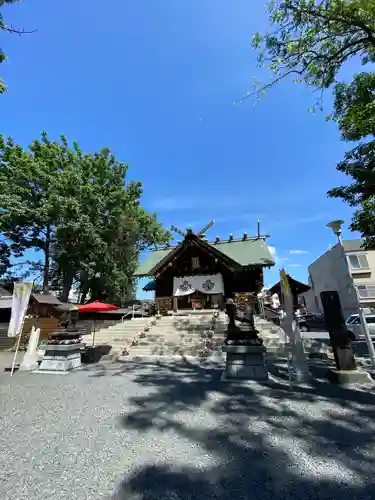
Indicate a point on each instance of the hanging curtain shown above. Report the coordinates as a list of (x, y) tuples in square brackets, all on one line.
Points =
[(206, 284)]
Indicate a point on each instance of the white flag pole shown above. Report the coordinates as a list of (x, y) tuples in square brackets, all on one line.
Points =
[(18, 342), (16, 352)]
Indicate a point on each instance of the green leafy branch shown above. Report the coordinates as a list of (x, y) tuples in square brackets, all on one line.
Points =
[(312, 40), (8, 29)]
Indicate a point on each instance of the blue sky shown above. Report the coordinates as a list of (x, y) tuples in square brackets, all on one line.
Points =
[(155, 81)]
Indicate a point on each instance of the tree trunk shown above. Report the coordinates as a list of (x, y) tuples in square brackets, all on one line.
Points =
[(84, 292), (67, 285), (46, 260)]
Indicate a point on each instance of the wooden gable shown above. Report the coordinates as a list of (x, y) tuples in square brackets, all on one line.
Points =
[(183, 258)]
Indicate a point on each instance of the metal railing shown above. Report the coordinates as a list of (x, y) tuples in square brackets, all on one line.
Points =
[(132, 312)]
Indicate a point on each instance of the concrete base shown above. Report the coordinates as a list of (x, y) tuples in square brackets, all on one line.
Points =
[(243, 382), (60, 358), (245, 363), (30, 362), (342, 377)]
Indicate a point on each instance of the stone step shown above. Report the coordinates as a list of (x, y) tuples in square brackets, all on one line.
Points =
[(194, 352), (145, 341), (177, 341), (158, 334), (197, 351), (214, 358), (173, 337), (121, 329)]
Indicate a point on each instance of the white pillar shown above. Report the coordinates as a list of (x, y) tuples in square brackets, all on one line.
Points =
[(31, 357), (301, 372)]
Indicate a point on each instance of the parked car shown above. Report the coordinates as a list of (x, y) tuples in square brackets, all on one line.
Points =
[(312, 323), (316, 323), (353, 324), (351, 318)]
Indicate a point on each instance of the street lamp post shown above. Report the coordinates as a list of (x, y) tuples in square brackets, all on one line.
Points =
[(362, 317), (336, 226)]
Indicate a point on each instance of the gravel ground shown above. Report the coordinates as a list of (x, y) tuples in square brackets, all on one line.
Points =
[(172, 430)]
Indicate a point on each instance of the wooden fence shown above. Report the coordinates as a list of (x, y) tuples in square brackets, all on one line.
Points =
[(46, 325)]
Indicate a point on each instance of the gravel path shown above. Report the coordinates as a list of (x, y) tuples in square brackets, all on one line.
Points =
[(173, 431)]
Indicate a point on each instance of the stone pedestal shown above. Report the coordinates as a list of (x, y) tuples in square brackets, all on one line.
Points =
[(60, 358), (245, 363)]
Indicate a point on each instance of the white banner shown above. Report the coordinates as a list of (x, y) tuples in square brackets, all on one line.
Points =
[(20, 302), (209, 284)]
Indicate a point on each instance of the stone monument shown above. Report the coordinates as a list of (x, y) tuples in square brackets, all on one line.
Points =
[(245, 350), (62, 352)]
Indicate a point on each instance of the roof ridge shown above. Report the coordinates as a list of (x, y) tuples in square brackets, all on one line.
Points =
[(237, 240), (214, 242)]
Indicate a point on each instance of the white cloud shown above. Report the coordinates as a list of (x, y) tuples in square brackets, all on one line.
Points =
[(294, 265), (273, 252), (278, 260), (298, 252)]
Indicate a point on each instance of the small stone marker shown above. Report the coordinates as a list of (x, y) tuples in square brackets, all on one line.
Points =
[(31, 357)]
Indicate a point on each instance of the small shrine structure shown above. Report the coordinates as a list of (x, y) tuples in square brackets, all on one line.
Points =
[(296, 287), (198, 274)]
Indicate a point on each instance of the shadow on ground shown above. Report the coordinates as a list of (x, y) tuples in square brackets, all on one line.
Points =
[(93, 354), (269, 442)]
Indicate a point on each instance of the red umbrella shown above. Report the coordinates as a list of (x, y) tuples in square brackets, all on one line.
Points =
[(97, 307)]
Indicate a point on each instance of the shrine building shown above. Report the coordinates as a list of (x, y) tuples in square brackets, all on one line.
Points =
[(199, 274)]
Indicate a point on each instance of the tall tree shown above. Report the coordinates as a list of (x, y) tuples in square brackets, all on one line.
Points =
[(310, 40), (5, 255), (354, 107), (77, 210), (103, 262), (34, 186), (8, 29)]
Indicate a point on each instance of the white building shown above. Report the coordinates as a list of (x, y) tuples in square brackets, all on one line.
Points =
[(342, 268)]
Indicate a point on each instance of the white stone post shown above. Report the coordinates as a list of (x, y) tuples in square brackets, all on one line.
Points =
[(31, 357)]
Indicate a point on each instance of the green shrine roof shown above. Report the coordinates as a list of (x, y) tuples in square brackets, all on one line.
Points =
[(155, 256), (246, 252)]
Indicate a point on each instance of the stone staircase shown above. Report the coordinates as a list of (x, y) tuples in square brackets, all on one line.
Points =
[(117, 335), (274, 339), (5, 341), (84, 327), (187, 335)]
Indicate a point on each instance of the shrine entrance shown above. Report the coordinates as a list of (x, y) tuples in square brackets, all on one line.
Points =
[(198, 292), (198, 300)]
